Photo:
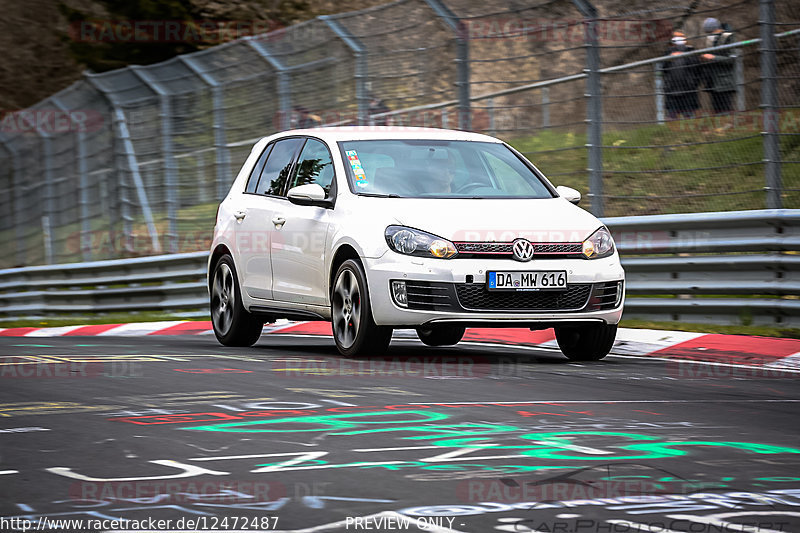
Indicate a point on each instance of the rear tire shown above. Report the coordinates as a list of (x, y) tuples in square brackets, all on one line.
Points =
[(354, 330), (440, 335), (586, 343), (233, 325)]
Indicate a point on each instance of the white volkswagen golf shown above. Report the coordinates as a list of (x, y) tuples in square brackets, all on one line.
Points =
[(435, 230)]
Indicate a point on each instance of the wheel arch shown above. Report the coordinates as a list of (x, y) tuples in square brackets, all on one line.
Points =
[(344, 252), (218, 252)]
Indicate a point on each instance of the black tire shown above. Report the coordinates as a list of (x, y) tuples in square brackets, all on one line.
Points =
[(440, 335), (233, 325), (586, 343), (354, 329)]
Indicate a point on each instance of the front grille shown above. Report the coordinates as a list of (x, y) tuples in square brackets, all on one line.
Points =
[(604, 296), (484, 247), (475, 297), (504, 250)]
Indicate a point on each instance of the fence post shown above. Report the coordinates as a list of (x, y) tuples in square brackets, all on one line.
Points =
[(49, 194), (545, 107), (19, 196), (594, 107), (659, 79), (462, 61), (167, 151), (739, 72), (362, 72), (129, 153), (490, 109), (769, 105), (223, 158), (83, 184), (284, 85)]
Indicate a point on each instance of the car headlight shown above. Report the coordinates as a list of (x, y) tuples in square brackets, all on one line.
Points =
[(411, 241), (599, 244)]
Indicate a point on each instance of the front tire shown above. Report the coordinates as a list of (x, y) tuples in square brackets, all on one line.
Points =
[(440, 335), (354, 329), (586, 343), (233, 325)]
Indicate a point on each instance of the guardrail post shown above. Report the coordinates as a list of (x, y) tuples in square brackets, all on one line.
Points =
[(170, 165), (19, 197), (462, 61), (361, 73), (83, 186), (659, 80), (594, 107), (123, 135), (284, 83), (223, 158), (769, 105)]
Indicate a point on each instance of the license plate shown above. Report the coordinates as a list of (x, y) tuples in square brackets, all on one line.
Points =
[(527, 281)]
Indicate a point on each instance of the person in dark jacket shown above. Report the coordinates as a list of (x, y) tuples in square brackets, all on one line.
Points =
[(681, 80), (376, 105), (720, 77)]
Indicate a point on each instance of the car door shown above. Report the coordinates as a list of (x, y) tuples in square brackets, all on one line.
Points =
[(298, 246), (262, 198)]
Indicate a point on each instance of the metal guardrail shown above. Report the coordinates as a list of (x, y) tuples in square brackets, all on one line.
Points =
[(740, 267)]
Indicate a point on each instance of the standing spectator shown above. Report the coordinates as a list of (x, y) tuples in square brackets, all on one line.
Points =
[(376, 105), (720, 79), (303, 118), (681, 79)]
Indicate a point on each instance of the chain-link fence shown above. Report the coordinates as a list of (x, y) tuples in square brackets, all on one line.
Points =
[(134, 161)]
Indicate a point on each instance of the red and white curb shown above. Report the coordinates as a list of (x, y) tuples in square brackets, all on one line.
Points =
[(743, 350)]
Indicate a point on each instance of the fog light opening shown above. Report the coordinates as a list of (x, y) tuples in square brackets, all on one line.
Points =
[(620, 288), (399, 293)]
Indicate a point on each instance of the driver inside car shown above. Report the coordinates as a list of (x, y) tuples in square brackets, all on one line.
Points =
[(440, 170)]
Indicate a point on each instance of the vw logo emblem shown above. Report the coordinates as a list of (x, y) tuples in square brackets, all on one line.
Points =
[(523, 250)]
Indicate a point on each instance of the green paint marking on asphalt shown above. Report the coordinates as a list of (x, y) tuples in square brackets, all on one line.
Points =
[(558, 445), (327, 421), (33, 346)]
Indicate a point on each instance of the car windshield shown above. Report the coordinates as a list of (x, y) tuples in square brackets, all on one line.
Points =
[(439, 169)]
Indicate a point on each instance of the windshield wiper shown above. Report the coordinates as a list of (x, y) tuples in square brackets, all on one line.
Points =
[(378, 195)]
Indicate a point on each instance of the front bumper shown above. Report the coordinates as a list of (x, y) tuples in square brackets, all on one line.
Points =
[(462, 298)]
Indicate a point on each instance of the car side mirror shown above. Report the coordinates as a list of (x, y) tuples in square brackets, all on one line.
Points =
[(569, 194), (310, 194)]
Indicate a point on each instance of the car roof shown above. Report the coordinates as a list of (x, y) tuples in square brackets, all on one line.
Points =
[(361, 133)]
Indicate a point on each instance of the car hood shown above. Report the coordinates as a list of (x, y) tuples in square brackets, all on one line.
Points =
[(501, 220)]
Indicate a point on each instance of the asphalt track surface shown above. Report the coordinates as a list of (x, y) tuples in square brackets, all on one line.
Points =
[(288, 435)]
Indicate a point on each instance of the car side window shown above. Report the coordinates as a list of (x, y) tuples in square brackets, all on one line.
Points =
[(278, 167), (315, 165), (252, 182)]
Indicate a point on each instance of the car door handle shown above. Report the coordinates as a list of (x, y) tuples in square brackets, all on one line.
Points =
[(278, 221), (239, 215)]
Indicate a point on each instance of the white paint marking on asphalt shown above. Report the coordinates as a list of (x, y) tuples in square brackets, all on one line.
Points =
[(791, 362), (573, 447), (51, 332), (138, 328), (5, 472)]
